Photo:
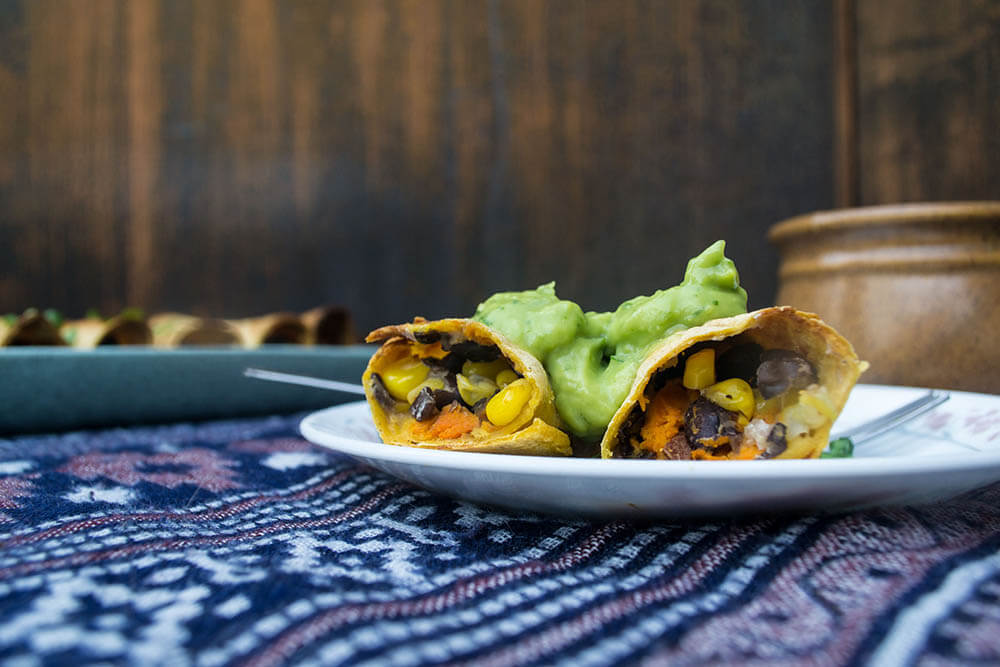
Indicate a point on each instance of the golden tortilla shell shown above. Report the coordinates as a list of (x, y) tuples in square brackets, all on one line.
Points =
[(30, 328), (536, 429), (176, 329), (274, 328), (837, 366), (93, 331)]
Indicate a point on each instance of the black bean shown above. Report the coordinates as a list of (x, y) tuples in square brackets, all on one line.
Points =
[(629, 429), (473, 351), (452, 363), (776, 442), (381, 394), (424, 406), (740, 362), (443, 397), (677, 448), (782, 370), (708, 425), (479, 409), (427, 337)]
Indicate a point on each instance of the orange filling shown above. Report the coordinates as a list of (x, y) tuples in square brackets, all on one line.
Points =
[(453, 421), (664, 418)]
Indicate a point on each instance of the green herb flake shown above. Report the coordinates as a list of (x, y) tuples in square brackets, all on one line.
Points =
[(841, 448)]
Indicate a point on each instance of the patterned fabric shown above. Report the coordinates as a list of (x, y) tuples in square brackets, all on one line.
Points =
[(238, 542)]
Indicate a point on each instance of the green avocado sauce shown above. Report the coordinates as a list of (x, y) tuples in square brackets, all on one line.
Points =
[(592, 358)]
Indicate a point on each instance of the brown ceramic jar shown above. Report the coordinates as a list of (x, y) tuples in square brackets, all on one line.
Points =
[(915, 288)]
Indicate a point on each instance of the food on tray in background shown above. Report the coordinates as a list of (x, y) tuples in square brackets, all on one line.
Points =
[(457, 384), (324, 325), (766, 384), (127, 328), (272, 329), (174, 329), (328, 325), (30, 328)]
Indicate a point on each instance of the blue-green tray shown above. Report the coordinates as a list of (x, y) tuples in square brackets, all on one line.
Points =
[(45, 389)]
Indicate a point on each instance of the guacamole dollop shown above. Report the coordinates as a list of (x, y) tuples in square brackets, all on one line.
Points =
[(592, 358)]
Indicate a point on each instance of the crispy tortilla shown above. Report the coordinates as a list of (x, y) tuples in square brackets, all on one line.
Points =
[(836, 366), (29, 328), (534, 431), (328, 325), (175, 329), (93, 331), (275, 328)]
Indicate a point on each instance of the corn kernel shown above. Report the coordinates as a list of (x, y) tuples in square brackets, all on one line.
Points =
[(504, 378), (503, 408), (402, 376), (699, 370), (733, 394), (432, 383), (486, 369), (474, 390)]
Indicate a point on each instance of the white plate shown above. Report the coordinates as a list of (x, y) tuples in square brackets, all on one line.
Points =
[(950, 450)]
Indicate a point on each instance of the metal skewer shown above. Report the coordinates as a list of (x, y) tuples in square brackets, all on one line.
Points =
[(897, 417), (304, 380)]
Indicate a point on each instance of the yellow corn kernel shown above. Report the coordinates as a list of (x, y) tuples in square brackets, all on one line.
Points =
[(474, 390), (433, 383), (699, 370), (733, 394), (505, 377), (508, 403), (486, 369), (402, 376)]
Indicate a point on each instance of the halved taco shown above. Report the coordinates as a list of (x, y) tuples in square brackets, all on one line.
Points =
[(456, 384), (766, 384)]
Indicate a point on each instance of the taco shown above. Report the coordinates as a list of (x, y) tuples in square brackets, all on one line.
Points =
[(174, 329), (272, 329), (29, 328), (125, 329), (456, 384), (328, 325), (765, 384)]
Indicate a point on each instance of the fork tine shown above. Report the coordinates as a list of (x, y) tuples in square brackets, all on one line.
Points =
[(897, 417)]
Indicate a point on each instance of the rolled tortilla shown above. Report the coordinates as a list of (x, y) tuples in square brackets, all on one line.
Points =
[(456, 384), (275, 328), (328, 325), (175, 329), (93, 331), (29, 328), (794, 397)]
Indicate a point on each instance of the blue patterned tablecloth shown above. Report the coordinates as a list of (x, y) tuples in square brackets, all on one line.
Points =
[(237, 542)]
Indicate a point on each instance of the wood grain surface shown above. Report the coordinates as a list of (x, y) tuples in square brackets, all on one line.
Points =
[(405, 157), (929, 100)]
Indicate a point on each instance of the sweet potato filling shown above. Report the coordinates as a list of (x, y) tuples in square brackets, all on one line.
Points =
[(450, 387), (725, 401)]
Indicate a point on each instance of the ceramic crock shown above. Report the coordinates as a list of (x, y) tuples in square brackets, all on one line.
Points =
[(915, 287)]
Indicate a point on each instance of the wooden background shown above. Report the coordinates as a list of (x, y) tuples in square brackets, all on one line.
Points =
[(404, 157)]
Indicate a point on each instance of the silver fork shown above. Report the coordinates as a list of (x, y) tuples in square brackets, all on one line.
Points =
[(890, 420)]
